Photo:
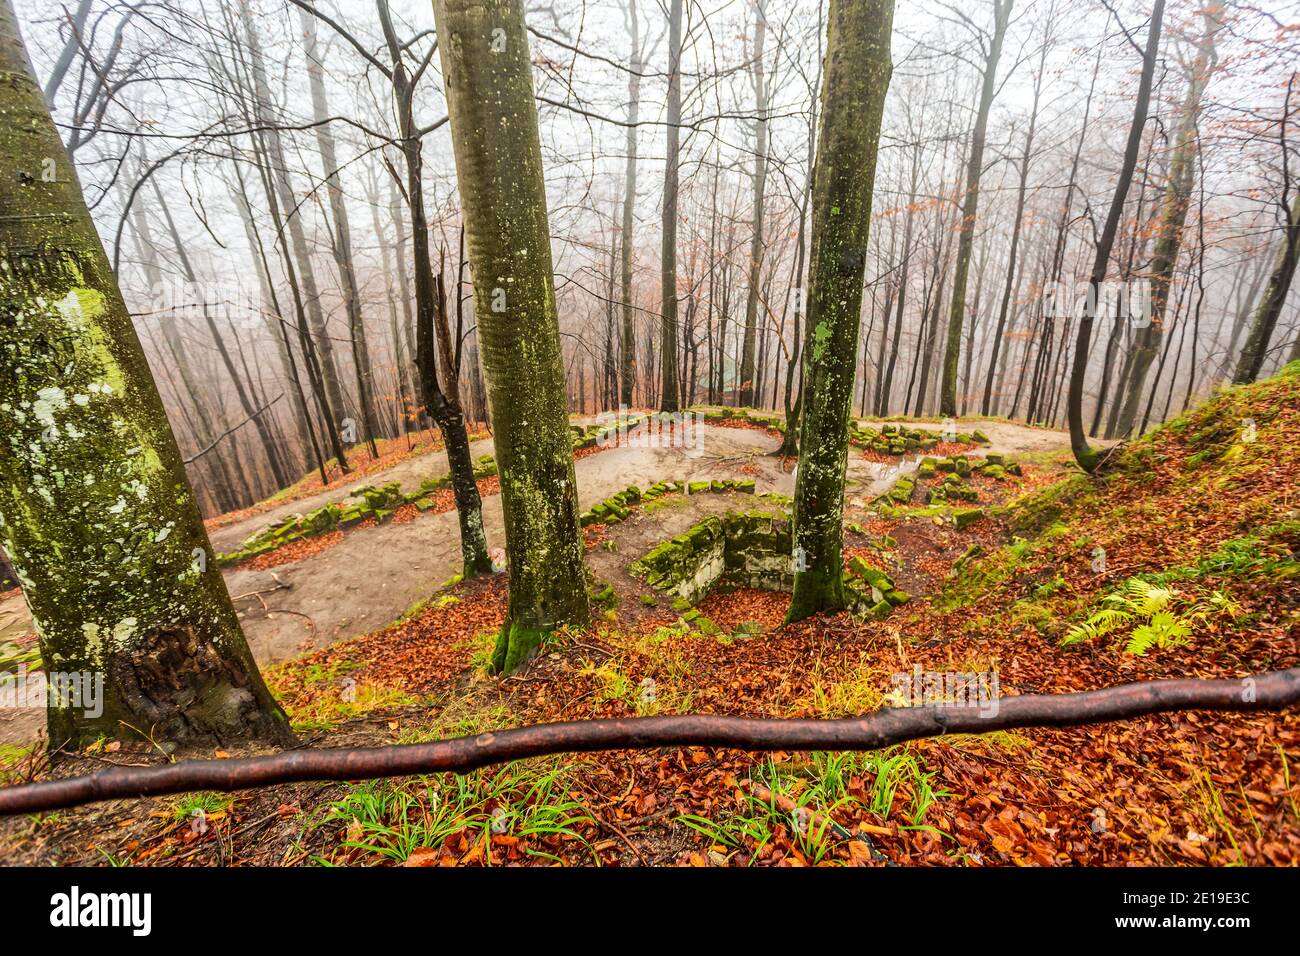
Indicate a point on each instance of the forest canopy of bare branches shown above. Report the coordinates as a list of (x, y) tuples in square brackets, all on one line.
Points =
[(180, 117)]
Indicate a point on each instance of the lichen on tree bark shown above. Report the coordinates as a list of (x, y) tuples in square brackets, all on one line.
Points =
[(95, 508), (487, 70), (858, 68)]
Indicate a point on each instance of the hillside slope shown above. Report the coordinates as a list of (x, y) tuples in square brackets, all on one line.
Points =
[(1182, 562)]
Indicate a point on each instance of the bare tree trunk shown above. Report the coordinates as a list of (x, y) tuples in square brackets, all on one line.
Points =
[(1173, 216), (404, 400), (970, 207), (279, 330), (668, 400), (1026, 157), (1270, 307), (274, 323), (747, 369), (321, 360), (342, 235), (437, 358), (489, 89), (1087, 458), (245, 402), (202, 424), (405, 355), (887, 381), (635, 66)]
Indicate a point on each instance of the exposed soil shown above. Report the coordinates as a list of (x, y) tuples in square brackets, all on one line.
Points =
[(365, 578)]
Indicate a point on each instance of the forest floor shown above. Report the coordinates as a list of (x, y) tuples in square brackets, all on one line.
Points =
[(1194, 509), (321, 590)]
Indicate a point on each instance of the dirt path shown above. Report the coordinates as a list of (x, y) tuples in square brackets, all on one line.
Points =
[(410, 472), (375, 574)]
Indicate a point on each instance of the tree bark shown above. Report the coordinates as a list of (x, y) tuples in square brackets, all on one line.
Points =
[(1270, 691), (489, 89), (858, 68), (98, 516)]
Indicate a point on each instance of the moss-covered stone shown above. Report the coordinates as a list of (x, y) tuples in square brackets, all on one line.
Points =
[(870, 574), (880, 610)]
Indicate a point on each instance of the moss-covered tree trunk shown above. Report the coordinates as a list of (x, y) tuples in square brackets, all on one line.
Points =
[(95, 509), (857, 73), (486, 67)]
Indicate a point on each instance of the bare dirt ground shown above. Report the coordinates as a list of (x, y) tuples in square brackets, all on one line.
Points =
[(409, 472), (1005, 438), (14, 619), (373, 575)]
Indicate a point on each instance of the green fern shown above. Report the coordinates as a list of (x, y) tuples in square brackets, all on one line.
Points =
[(1105, 621), (1147, 608), (1163, 631), (1221, 603), (1146, 599)]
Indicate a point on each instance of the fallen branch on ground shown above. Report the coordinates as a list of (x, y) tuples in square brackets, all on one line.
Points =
[(1269, 691)]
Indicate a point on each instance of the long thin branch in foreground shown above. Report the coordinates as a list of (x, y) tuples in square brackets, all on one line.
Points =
[(1268, 691)]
